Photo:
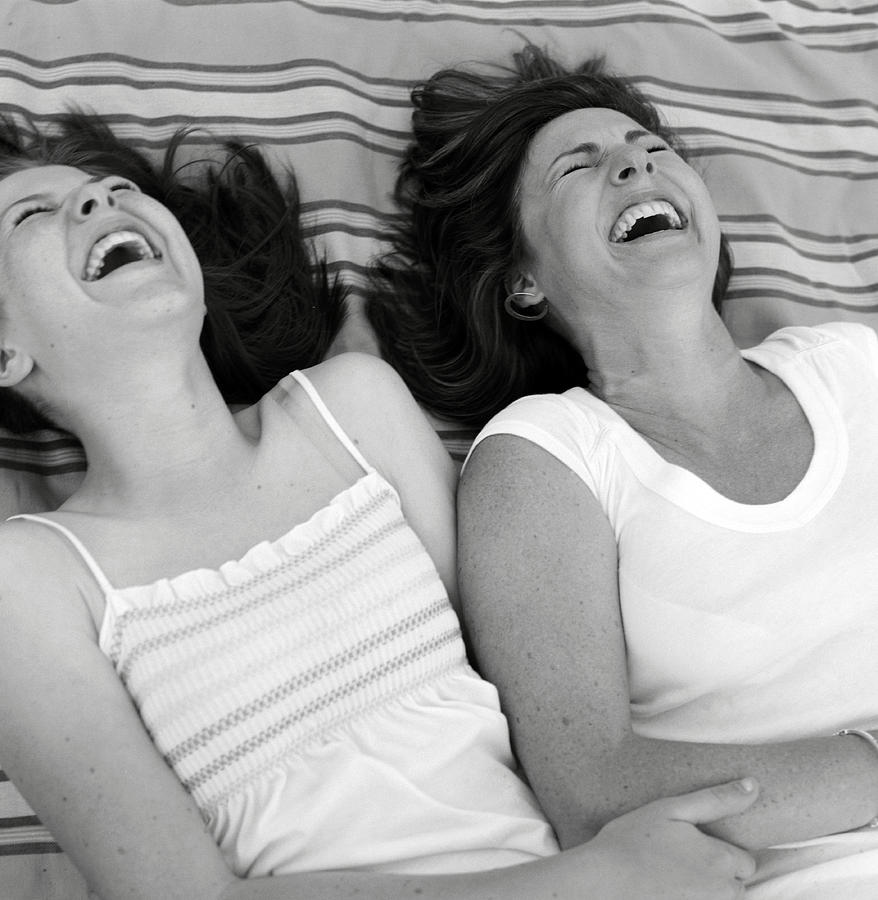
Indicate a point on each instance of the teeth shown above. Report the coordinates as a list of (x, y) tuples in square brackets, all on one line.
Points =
[(133, 241), (626, 221)]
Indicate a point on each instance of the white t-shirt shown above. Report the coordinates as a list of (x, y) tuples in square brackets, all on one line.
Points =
[(743, 623)]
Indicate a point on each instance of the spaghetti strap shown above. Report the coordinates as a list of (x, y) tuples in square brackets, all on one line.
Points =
[(331, 421), (87, 558)]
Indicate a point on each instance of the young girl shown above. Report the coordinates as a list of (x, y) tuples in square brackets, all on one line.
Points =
[(268, 303)]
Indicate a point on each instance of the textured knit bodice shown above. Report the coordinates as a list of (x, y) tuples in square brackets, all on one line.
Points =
[(315, 699)]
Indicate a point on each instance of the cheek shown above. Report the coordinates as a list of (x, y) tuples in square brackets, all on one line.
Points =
[(37, 300), (545, 244), (566, 262), (17, 288), (191, 267), (562, 242), (709, 220)]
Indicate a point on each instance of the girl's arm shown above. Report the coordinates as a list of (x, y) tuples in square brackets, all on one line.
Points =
[(74, 745), (538, 579), (376, 410), (653, 852)]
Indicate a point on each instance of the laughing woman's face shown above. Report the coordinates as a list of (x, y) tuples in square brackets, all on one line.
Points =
[(608, 210)]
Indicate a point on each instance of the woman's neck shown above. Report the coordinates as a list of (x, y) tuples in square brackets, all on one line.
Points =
[(664, 376)]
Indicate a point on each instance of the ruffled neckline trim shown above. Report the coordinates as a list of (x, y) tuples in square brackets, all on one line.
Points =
[(266, 555)]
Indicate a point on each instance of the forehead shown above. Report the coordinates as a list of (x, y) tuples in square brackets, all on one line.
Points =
[(38, 180), (592, 125)]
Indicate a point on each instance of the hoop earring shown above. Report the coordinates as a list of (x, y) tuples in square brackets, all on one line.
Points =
[(540, 310)]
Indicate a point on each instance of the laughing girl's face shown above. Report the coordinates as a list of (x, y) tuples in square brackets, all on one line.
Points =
[(84, 259)]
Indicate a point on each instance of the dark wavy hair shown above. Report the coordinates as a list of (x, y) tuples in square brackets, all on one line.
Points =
[(436, 301), (271, 304)]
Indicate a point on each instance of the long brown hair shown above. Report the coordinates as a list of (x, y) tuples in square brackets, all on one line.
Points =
[(437, 298)]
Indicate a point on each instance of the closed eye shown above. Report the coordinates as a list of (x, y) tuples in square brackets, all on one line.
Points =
[(583, 164), (575, 167), (124, 185), (28, 211)]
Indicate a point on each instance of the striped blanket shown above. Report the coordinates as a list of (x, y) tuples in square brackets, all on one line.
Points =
[(776, 98)]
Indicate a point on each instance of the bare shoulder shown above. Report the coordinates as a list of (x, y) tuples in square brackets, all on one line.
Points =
[(20, 554), (356, 378), (374, 406), (376, 410), (43, 582)]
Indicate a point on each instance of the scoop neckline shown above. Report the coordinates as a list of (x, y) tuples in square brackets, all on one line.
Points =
[(688, 491)]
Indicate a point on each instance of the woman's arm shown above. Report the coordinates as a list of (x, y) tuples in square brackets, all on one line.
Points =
[(75, 746), (538, 579)]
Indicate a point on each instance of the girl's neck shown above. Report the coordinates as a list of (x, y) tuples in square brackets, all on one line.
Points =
[(158, 444)]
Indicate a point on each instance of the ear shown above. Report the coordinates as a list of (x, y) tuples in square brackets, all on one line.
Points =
[(525, 290), (15, 366)]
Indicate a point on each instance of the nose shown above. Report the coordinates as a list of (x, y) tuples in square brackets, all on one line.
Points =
[(87, 199), (629, 163)]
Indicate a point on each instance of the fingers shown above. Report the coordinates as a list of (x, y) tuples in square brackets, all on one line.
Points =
[(737, 863), (743, 864), (717, 802), (710, 804)]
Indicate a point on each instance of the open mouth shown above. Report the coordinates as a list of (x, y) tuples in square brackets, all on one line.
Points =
[(117, 249), (642, 219)]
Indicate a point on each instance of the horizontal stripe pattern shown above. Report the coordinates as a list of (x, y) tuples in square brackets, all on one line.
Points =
[(46, 451), (775, 99), (235, 673), (20, 830), (811, 25), (24, 840), (322, 93)]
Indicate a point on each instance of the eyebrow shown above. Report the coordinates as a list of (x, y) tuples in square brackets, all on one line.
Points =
[(589, 147), (41, 196), (19, 201)]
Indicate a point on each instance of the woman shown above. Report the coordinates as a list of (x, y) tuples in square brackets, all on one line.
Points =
[(668, 569), (228, 660)]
